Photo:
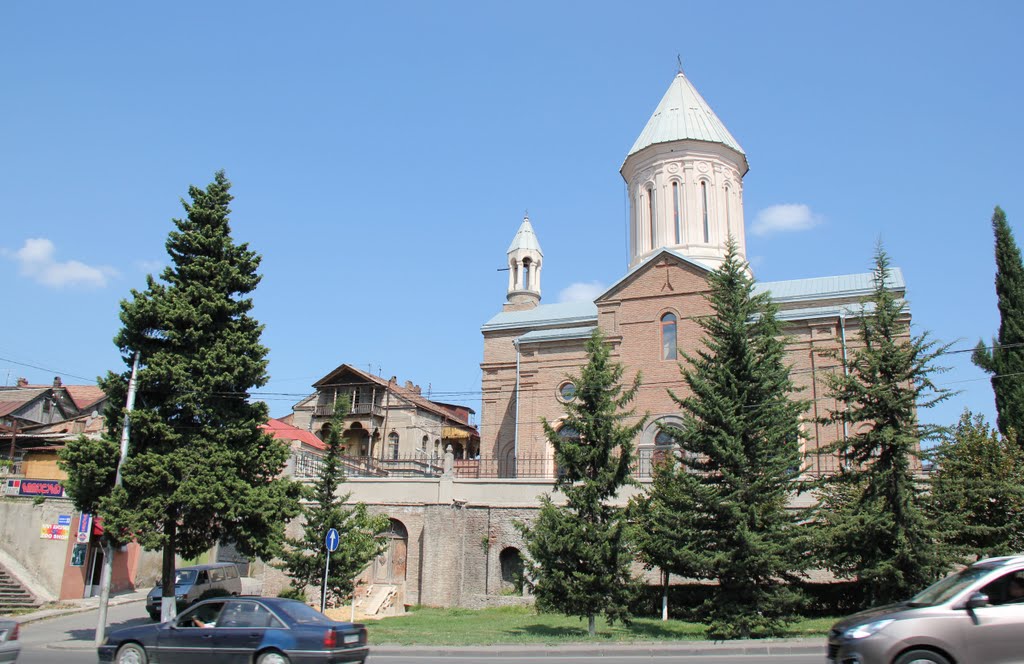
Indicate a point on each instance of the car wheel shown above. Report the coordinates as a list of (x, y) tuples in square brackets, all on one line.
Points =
[(272, 657), (921, 657), (131, 653)]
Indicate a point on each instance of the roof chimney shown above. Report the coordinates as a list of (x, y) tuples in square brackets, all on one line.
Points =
[(22, 382), (56, 381)]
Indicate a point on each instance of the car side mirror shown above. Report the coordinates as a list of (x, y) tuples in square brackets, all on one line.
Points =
[(977, 600)]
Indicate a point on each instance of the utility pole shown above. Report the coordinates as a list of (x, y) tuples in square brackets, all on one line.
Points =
[(14, 437), (108, 549)]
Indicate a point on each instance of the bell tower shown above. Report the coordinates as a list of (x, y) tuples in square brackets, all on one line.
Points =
[(525, 260), (684, 177)]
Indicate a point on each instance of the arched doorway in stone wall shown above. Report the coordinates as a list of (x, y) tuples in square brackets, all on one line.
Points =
[(512, 571), (390, 566)]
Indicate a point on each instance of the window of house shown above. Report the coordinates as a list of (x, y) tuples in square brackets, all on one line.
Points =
[(651, 216), (677, 211), (704, 207), (567, 391), (668, 336), (393, 441)]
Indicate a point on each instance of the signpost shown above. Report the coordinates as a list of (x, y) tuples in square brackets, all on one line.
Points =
[(331, 541)]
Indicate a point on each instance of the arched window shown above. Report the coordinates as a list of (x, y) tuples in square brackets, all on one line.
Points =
[(423, 444), (393, 442), (526, 274), (728, 210), (677, 211), (651, 216), (704, 207), (668, 336)]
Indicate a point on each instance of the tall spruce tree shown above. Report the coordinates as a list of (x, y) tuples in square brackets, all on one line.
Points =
[(977, 490), (874, 523), (580, 556), (1004, 359), (199, 470), (304, 558), (724, 499)]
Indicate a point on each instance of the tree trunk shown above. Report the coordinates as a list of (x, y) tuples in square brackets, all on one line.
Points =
[(168, 603), (664, 597), (592, 625)]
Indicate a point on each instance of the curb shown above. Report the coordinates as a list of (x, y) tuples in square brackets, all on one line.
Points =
[(676, 649)]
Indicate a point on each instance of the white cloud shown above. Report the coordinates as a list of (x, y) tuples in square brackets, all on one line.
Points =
[(784, 218), (36, 261), (581, 292)]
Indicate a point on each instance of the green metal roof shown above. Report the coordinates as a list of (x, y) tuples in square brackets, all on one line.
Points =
[(684, 115)]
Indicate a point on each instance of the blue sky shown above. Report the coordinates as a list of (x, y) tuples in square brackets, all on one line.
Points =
[(383, 154)]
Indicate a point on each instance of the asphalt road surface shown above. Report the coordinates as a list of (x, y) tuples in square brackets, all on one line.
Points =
[(39, 638)]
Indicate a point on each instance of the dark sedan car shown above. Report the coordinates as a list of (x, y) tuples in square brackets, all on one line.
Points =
[(240, 630)]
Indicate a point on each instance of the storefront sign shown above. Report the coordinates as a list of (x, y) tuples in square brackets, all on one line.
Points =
[(84, 528), (54, 532), (78, 555), (50, 488), (12, 487), (63, 519)]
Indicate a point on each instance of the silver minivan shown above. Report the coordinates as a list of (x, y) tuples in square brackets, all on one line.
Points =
[(197, 582), (975, 616)]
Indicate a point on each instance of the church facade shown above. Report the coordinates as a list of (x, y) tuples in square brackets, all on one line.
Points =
[(684, 177), (453, 539)]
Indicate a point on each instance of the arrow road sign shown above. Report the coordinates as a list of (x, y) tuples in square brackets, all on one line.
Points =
[(332, 539)]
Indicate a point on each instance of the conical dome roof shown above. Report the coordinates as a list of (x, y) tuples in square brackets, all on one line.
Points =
[(684, 115), (525, 239)]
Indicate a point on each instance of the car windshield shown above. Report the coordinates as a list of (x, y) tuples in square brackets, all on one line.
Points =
[(184, 576), (946, 589), (303, 614)]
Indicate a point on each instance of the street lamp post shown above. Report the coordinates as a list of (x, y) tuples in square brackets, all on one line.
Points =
[(108, 549)]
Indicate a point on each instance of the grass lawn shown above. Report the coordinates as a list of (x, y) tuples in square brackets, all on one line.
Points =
[(522, 625)]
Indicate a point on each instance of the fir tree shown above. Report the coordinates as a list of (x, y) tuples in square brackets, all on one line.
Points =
[(199, 471), (874, 524), (1004, 360), (977, 490), (304, 559), (724, 500), (580, 555)]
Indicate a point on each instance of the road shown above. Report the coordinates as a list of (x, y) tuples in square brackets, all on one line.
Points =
[(38, 640)]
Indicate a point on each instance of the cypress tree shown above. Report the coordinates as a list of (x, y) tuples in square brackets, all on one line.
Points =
[(875, 526), (304, 558), (977, 490), (199, 470), (724, 499), (1004, 359), (580, 554)]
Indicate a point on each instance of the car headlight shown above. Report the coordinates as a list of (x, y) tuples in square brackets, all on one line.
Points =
[(862, 631)]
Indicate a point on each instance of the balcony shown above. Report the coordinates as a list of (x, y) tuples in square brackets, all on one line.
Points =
[(327, 410)]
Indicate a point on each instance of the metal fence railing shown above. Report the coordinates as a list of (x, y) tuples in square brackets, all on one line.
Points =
[(307, 465)]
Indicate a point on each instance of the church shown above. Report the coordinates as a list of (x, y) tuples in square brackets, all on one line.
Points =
[(684, 177), (453, 539)]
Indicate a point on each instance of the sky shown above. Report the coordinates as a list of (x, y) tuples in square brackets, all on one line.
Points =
[(383, 155)]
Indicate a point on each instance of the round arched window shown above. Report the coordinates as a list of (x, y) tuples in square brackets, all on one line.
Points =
[(567, 391)]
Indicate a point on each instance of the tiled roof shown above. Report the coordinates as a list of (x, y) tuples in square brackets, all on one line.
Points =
[(282, 431), (14, 398), (85, 396)]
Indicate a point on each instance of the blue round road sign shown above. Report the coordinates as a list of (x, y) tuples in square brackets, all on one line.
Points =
[(332, 539)]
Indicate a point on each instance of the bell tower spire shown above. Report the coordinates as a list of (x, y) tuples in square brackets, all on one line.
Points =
[(525, 260)]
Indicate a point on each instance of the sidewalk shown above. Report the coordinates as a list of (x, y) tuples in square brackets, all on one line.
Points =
[(66, 606)]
